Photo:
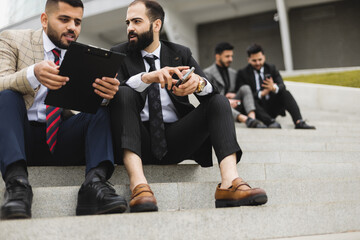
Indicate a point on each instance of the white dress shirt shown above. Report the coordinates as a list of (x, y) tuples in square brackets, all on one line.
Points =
[(168, 108), (37, 112)]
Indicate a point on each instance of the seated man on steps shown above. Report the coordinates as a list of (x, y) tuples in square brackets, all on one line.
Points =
[(153, 121), (270, 94), (223, 77), (32, 133)]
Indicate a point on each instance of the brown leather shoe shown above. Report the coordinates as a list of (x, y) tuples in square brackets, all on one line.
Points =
[(239, 195), (142, 199)]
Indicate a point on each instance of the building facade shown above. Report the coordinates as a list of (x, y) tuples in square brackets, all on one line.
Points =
[(296, 34)]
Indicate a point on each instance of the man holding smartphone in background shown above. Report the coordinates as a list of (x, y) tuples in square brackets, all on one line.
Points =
[(153, 121), (270, 94)]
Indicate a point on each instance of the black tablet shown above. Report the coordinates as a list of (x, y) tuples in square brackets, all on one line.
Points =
[(83, 64)]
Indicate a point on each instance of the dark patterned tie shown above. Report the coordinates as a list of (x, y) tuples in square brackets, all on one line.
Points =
[(53, 114), (156, 121), (261, 80)]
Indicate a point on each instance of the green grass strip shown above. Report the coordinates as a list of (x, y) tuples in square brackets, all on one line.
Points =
[(345, 79)]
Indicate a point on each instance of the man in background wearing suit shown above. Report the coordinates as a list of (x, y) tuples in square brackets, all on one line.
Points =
[(223, 77), (153, 121), (32, 133), (269, 90)]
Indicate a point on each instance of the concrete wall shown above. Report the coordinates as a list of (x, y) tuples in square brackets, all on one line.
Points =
[(241, 32), (326, 35), (322, 36), (325, 97)]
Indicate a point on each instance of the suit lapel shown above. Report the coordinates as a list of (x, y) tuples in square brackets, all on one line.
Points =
[(168, 57), (38, 46), (218, 76), (135, 63), (252, 78)]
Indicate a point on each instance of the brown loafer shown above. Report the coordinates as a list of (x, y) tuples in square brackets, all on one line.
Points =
[(142, 199), (239, 195)]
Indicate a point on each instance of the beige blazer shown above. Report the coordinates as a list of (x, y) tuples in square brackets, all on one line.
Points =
[(19, 49)]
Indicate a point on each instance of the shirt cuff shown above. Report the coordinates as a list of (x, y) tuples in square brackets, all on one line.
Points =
[(135, 83), (276, 88), (259, 94), (30, 75), (207, 89)]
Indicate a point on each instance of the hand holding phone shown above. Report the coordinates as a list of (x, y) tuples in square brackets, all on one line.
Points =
[(184, 79)]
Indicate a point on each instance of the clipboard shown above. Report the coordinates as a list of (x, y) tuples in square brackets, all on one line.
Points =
[(83, 64)]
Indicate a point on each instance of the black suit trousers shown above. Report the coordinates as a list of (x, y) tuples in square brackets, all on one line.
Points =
[(209, 124), (82, 139), (266, 110)]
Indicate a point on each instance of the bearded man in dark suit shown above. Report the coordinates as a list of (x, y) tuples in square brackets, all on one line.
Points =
[(269, 91), (153, 121)]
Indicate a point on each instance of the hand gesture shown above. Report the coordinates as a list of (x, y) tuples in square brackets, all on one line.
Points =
[(189, 87), (163, 76), (269, 84), (230, 95), (106, 87), (234, 102), (47, 73)]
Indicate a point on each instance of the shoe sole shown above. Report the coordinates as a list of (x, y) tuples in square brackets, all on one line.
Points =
[(250, 201), (15, 214), (146, 207), (118, 207)]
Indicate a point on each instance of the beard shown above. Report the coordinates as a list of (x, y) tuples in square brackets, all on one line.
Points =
[(143, 40), (53, 36), (225, 64)]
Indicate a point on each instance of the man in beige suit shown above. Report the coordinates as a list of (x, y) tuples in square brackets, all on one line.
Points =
[(32, 133)]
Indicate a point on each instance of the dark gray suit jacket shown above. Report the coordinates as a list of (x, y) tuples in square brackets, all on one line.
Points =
[(214, 76)]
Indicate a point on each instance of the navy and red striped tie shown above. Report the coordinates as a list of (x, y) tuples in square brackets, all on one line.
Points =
[(53, 114)]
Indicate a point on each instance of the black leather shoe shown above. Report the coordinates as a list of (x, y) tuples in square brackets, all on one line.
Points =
[(98, 197), (18, 198), (303, 125), (254, 123), (274, 125)]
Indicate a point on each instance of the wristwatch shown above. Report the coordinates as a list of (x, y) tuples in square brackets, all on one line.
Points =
[(201, 85)]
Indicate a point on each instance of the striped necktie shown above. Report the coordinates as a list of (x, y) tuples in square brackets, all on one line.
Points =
[(53, 114)]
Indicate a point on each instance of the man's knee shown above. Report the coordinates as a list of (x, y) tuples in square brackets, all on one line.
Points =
[(11, 100), (220, 104), (102, 113), (245, 90), (10, 95), (125, 96)]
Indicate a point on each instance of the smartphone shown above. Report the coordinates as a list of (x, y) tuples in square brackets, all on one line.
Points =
[(184, 79), (268, 75)]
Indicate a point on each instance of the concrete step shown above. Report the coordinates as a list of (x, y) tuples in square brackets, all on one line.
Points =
[(264, 137), (52, 202), (243, 132), (338, 236), (275, 221), (285, 169), (296, 157), (308, 146)]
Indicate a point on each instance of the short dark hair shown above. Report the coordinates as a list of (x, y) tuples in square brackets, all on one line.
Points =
[(75, 3), (253, 49), (223, 46), (154, 10)]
